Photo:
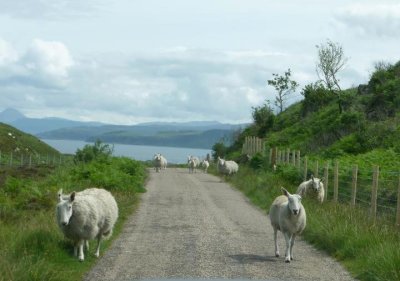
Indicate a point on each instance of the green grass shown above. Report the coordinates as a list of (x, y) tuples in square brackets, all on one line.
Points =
[(32, 246), (370, 251)]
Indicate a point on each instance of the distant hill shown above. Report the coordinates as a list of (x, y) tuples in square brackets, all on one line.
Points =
[(188, 134), (37, 125), (16, 141)]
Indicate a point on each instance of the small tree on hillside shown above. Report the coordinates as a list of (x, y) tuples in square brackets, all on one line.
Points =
[(331, 60), (264, 118), (284, 86)]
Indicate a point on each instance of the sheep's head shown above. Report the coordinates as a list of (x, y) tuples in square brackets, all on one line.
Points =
[(294, 202), (64, 208), (316, 183)]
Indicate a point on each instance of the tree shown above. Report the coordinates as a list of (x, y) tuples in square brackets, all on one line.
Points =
[(284, 86), (331, 60), (264, 118)]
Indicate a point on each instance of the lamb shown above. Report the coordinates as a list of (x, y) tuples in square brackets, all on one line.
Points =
[(288, 215), (86, 215), (205, 164), (227, 167), (313, 187)]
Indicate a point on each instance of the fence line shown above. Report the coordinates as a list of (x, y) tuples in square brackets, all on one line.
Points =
[(368, 187), (253, 145), (13, 159)]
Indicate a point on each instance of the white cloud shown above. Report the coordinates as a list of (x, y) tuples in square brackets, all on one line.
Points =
[(7, 53), (50, 58), (371, 19)]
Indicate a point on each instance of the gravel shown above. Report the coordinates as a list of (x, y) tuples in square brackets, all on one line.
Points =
[(194, 226)]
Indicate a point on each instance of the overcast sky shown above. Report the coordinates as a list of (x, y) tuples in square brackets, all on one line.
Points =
[(133, 61)]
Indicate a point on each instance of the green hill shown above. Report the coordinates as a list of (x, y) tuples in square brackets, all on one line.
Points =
[(369, 121), (18, 142)]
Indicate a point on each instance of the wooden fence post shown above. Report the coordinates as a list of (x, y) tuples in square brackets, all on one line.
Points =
[(354, 185), (11, 159), (398, 204), (30, 160), (336, 182), (305, 168), (316, 171), (326, 180), (298, 160), (374, 192), (287, 155)]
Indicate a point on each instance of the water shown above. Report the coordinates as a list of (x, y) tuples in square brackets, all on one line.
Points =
[(139, 152)]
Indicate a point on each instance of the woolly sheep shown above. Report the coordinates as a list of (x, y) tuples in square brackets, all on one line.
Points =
[(313, 187), (205, 164), (193, 163), (288, 215), (160, 162), (86, 215), (227, 167)]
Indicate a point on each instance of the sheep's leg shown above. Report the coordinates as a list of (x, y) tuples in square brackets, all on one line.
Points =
[(276, 242), (97, 253), (81, 256), (87, 245), (291, 246), (75, 249), (288, 239)]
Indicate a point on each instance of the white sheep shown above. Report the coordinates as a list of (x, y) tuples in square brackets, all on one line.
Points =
[(288, 215), (313, 187), (86, 215), (193, 163), (160, 162), (227, 167), (205, 164)]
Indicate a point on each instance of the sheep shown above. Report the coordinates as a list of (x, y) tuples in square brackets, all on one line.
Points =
[(313, 187), (205, 164), (160, 162), (86, 215), (193, 163), (288, 215), (227, 167)]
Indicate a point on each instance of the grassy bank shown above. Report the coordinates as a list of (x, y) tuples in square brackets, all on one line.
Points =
[(32, 246), (368, 250)]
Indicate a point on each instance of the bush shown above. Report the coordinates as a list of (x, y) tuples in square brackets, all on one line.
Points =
[(98, 151)]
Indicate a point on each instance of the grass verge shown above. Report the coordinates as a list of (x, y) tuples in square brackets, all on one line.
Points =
[(368, 250)]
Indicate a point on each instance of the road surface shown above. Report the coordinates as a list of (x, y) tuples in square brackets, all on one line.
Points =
[(194, 226)]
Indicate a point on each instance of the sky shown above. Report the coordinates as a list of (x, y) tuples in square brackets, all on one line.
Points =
[(134, 61)]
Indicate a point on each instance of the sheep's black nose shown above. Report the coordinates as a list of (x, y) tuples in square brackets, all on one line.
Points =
[(295, 212), (64, 223)]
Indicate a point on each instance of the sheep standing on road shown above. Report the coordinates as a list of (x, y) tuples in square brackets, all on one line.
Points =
[(288, 215), (193, 163), (313, 187), (86, 215), (227, 167), (160, 162), (205, 164)]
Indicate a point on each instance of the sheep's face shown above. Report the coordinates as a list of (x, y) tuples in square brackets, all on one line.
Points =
[(294, 202), (316, 184), (64, 209)]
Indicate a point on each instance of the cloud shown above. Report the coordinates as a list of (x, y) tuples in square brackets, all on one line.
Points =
[(7, 53), (48, 10), (371, 19)]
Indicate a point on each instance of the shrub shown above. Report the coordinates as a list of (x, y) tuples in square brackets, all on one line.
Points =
[(99, 151)]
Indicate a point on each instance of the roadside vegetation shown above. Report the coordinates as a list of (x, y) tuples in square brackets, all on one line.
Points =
[(32, 246), (353, 126)]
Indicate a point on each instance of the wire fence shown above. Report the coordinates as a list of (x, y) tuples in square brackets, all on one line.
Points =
[(374, 189), (14, 159)]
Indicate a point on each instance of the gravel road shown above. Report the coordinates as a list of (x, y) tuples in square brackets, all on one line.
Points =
[(194, 226)]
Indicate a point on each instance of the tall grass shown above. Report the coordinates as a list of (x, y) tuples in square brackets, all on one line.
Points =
[(32, 246), (369, 250)]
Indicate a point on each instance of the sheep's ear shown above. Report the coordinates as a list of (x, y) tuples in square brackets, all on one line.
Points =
[(72, 197), (59, 193), (322, 180), (312, 177), (285, 192), (298, 196)]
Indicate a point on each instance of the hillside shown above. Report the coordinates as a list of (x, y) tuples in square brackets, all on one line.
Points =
[(16, 141), (369, 121)]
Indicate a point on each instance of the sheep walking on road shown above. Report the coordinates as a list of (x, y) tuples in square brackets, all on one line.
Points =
[(287, 215), (193, 163), (86, 215), (313, 188)]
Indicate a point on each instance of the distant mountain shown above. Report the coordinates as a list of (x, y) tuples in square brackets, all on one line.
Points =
[(10, 115), (37, 125), (187, 134)]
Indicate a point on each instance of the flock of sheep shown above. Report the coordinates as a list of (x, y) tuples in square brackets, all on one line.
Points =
[(92, 213)]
